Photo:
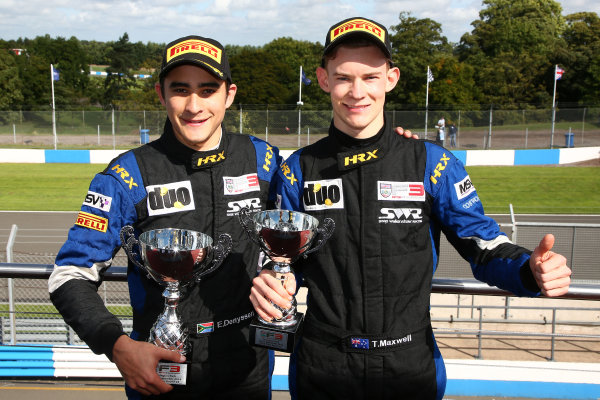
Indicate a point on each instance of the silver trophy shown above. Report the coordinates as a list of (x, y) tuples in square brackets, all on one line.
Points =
[(174, 258), (284, 236)]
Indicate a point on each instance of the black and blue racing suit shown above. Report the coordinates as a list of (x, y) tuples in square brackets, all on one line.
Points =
[(166, 184), (367, 332)]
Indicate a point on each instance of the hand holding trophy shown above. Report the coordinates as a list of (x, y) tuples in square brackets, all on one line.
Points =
[(174, 258), (284, 236)]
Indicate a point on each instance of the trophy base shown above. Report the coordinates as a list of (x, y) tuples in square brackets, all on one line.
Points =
[(173, 373), (276, 337)]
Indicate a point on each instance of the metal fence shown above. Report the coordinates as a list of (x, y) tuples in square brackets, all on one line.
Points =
[(462, 306), (477, 129)]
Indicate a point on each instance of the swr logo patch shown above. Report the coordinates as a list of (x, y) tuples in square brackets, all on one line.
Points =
[(170, 198), (401, 216)]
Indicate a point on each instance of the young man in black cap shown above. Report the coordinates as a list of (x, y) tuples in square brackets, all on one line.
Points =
[(367, 332), (195, 176)]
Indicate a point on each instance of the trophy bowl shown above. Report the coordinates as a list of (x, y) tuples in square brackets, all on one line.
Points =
[(284, 236), (173, 258), (284, 233)]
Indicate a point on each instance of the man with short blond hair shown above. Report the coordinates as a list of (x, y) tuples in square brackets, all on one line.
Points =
[(367, 332)]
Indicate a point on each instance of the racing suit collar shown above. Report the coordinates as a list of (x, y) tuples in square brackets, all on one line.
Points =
[(352, 152), (195, 159), (346, 142)]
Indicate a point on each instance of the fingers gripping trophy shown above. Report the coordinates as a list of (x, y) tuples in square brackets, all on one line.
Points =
[(284, 236), (174, 258)]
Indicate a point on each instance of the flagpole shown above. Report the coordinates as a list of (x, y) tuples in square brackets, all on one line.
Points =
[(426, 101), (299, 104), (53, 108), (300, 88), (553, 108)]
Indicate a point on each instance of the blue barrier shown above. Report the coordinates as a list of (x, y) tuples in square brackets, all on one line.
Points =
[(481, 157), (526, 379)]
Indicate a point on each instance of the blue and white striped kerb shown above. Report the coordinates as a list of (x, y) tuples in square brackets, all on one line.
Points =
[(526, 379), (468, 157)]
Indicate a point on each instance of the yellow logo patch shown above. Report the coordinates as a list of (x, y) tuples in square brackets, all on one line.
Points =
[(194, 46), (358, 25), (92, 221)]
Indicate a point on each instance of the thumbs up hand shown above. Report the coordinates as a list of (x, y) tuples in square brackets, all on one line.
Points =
[(550, 269)]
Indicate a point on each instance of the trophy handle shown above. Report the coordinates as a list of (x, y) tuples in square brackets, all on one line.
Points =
[(220, 251), (248, 224), (324, 232), (128, 240)]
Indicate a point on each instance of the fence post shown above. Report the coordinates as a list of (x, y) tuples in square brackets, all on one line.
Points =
[(583, 125), (489, 141), (241, 129), (11, 300), (572, 259), (112, 118), (513, 223), (553, 334), (479, 356)]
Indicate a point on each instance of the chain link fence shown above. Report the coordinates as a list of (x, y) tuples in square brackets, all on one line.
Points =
[(292, 128)]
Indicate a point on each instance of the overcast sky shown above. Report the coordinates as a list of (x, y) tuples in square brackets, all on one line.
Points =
[(236, 22)]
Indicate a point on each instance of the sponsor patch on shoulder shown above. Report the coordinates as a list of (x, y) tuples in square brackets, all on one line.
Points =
[(240, 184), (97, 200), (464, 188), (92, 221), (400, 191), (323, 195)]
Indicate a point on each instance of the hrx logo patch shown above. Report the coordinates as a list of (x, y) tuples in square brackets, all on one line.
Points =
[(350, 160)]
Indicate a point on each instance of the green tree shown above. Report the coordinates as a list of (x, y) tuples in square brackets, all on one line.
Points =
[(10, 84), (261, 78), (120, 75), (511, 48), (581, 82), (417, 43), (295, 53)]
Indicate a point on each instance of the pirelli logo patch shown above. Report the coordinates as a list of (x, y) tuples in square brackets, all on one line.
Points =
[(357, 25), (194, 46), (92, 221)]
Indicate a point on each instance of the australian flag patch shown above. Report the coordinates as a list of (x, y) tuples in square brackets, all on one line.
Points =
[(359, 343)]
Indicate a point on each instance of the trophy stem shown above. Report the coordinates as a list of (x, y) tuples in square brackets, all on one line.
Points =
[(168, 332)]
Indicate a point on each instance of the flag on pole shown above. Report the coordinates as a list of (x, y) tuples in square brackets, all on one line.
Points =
[(429, 75), (305, 80), (55, 74), (558, 73)]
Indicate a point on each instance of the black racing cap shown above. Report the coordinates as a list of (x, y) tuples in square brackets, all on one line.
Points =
[(203, 52), (358, 27)]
